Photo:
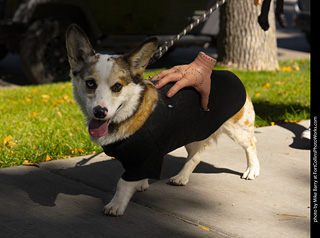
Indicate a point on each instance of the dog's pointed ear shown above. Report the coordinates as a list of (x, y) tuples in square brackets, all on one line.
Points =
[(138, 59), (78, 47)]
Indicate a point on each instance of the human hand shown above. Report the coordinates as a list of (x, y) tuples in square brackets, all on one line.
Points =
[(196, 74)]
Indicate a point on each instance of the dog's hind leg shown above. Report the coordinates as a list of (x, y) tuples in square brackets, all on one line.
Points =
[(193, 159), (240, 128)]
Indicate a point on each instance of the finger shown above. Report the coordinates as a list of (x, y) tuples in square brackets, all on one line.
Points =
[(177, 86), (173, 77), (204, 103), (162, 74)]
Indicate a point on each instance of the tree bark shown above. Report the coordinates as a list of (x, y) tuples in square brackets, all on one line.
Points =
[(242, 43)]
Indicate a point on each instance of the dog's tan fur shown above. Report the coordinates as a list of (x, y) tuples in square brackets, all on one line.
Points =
[(135, 122), (129, 108)]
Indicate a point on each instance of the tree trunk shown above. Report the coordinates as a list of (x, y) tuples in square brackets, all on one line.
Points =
[(242, 43)]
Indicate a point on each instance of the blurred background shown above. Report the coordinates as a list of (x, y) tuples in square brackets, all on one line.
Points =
[(32, 33)]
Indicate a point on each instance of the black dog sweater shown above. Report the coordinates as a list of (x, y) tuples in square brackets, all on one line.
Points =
[(176, 122)]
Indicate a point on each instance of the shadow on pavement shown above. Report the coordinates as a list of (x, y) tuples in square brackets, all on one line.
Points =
[(172, 166), (297, 129), (100, 175)]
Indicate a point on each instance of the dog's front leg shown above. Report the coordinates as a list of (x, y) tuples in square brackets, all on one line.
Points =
[(124, 192)]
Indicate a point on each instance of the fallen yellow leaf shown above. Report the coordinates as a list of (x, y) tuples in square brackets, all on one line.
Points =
[(204, 227), (265, 85), (57, 102), (76, 151), (11, 143), (80, 151), (48, 158), (28, 99), (13, 101), (7, 139), (45, 96), (27, 163), (287, 69)]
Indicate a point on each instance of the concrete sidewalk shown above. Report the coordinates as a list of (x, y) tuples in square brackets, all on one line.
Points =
[(64, 198)]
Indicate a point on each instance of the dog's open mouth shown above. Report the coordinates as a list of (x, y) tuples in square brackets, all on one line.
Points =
[(98, 128)]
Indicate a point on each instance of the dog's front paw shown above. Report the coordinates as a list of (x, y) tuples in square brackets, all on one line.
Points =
[(114, 209), (179, 180), (251, 173), (144, 186)]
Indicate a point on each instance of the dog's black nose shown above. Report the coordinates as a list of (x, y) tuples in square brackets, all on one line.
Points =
[(100, 112)]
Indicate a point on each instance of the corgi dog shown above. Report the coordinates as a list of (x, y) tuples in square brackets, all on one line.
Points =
[(137, 124)]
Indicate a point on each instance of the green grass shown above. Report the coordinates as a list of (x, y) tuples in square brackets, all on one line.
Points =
[(282, 96), (40, 123)]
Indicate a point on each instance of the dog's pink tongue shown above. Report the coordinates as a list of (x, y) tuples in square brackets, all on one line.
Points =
[(98, 128)]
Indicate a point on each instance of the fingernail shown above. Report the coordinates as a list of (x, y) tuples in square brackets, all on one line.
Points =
[(208, 110), (169, 94)]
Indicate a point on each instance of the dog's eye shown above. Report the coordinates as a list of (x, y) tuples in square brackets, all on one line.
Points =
[(91, 84), (116, 87)]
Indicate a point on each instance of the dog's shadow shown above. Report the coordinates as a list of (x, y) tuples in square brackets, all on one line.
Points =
[(172, 166), (101, 177)]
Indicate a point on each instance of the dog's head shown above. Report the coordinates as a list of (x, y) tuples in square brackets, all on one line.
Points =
[(107, 87)]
